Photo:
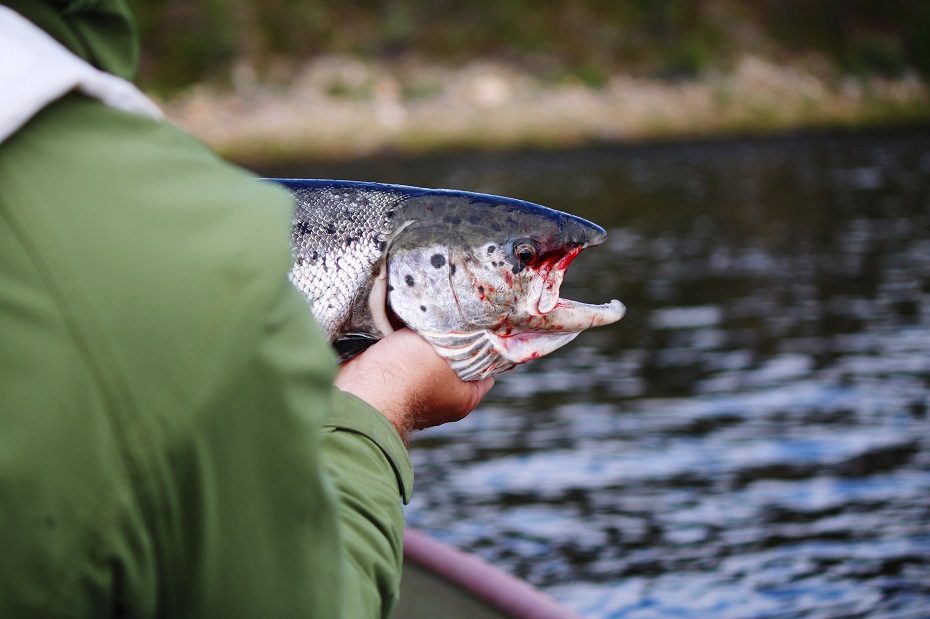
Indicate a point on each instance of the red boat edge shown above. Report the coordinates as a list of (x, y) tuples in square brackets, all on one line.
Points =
[(477, 578)]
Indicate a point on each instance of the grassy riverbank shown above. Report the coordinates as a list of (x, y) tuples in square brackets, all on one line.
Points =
[(290, 79), (337, 107)]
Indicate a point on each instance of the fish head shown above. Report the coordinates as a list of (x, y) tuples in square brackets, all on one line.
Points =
[(479, 277)]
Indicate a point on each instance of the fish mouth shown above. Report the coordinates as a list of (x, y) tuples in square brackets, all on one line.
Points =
[(553, 313), (550, 323), (551, 272)]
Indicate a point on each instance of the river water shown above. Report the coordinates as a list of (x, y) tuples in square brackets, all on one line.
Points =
[(752, 440)]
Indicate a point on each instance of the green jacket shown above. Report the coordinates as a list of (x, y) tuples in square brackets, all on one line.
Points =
[(170, 442)]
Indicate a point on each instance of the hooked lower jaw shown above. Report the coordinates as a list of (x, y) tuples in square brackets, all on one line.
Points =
[(568, 315), (545, 333), (565, 315)]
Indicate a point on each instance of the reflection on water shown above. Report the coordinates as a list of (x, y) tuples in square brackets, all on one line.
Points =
[(752, 439)]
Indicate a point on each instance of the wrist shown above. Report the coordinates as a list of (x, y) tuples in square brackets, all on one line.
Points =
[(375, 392)]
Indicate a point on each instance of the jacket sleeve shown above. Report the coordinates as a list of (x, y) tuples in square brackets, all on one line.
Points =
[(372, 473)]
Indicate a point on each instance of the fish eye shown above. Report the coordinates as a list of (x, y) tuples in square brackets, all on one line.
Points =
[(525, 250)]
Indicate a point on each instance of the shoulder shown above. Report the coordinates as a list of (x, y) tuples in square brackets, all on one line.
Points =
[(136, 216)]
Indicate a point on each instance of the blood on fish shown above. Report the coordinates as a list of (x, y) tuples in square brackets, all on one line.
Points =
[(555, 260)]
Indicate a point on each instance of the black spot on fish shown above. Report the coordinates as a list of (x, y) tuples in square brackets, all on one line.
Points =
[(330, 229), (409, 280), (491, 249), (452, 268), (422, 308), (382, 245), (437, 261), (303, 227), (390, 288), (315, 256), (349, 241), (481, 289), (390, 215), (300, 261)]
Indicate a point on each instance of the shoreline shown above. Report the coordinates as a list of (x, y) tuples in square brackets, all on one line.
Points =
[(339, 109)]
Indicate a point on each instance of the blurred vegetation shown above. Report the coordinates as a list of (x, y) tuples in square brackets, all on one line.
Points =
[(862, 36), (186, 41)]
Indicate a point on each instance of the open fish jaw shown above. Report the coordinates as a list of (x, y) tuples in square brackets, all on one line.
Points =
[(479, 354), (575, 316)]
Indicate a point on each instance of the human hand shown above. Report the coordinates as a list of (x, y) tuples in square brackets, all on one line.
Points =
[(411, 385)]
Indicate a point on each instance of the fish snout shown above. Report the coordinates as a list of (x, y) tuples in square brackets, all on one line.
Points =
[(578, 232)]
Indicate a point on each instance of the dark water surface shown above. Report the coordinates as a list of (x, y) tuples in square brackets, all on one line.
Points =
[(752, 440)]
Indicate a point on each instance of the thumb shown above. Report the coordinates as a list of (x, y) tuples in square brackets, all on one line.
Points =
[(479, 390), (483, 387)]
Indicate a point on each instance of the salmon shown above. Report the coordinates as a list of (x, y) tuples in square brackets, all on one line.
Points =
[(476, 275)]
